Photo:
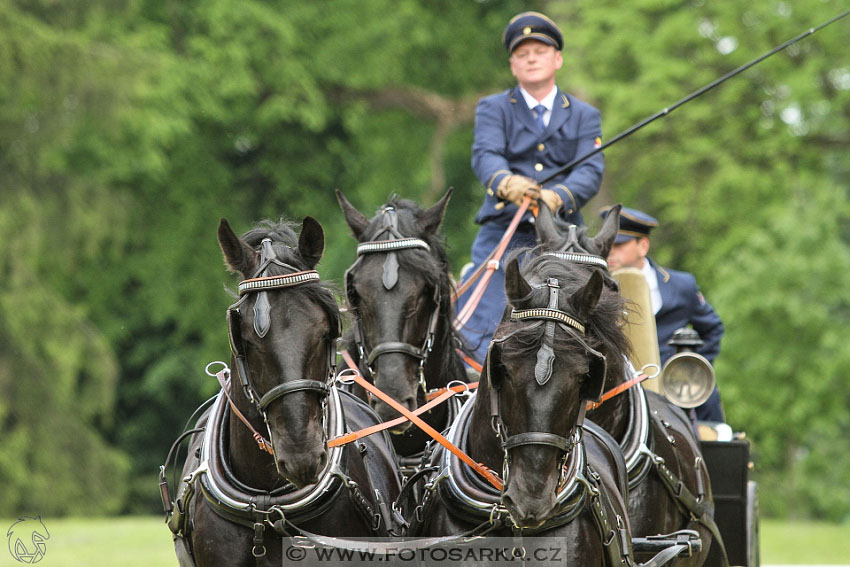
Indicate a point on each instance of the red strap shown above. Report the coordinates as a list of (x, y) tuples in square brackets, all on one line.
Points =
[(472, 278), (470, 361), (492, 266), (262, 442), (435, 400), (459, 389), (489, 475), (617, 390)]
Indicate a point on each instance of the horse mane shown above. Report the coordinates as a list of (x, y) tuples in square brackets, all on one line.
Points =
[(432, 267), (285, 244), (604, 331)]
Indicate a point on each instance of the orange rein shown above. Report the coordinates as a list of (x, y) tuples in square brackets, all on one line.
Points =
[(435, 398), (617, 390), (489, 475), (262, 443), (492, 264)]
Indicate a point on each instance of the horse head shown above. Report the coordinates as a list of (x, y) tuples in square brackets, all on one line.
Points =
[(398, 291), (547, 359), (283, 331)]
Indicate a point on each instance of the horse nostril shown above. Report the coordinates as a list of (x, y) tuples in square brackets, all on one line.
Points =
[(410, 402)]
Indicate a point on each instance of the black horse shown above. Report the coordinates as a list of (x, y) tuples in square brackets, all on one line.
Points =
[(241, 491), (669, 487), (399, 291), (562, 477)]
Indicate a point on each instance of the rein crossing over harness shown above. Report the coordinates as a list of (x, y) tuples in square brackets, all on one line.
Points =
[(259, 509), (394, 243)]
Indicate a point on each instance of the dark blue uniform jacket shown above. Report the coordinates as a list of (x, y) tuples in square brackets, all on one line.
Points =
[(682, 304), (507, 140)]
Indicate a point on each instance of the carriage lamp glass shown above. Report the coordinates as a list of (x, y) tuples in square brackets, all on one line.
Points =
[(687, 379)]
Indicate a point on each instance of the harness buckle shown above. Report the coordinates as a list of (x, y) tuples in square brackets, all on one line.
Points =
[(259, 549), (496, 513)]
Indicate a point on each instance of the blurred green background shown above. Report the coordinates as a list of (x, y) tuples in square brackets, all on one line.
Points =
[(129, 127)]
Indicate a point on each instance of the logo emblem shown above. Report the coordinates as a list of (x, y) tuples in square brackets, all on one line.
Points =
[(27, 538)]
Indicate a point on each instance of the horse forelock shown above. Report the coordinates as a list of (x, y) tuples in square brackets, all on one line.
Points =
[(603, 327), (284, 239)]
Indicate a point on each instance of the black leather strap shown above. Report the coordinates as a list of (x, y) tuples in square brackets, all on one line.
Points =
[(294, 386), (537, 438), (395, 346)]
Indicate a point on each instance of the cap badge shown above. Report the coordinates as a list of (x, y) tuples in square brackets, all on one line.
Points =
[(526, 30)]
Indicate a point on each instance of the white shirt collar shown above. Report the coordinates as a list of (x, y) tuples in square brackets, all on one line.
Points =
[(548, 101), (652, 281)]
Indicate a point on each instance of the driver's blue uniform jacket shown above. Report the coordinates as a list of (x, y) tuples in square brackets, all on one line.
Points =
[(508, 141)]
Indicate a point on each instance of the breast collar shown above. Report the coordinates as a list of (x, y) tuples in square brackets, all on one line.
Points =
[(469, 498), (235, 500)]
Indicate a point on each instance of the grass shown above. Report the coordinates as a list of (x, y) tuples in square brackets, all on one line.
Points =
[(804, 543), (114, 542), (146, 542)]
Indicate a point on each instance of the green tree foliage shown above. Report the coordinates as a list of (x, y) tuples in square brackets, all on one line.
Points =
[(127, 129), (750, 183)]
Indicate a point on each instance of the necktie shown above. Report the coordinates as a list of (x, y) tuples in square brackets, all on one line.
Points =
[(540, 109)]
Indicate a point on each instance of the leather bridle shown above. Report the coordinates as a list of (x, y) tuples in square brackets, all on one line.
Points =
[(260, 284), (573, 252), (390, 246), (550, 316)]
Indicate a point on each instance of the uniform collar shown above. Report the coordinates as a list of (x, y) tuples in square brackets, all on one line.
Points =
[(548, 100)]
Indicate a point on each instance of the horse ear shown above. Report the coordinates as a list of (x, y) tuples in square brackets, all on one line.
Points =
[(604, 240), (311, 241), (516, 288), (356, 220), (547, 234), (585, 299), (431, 219), (238, 256)]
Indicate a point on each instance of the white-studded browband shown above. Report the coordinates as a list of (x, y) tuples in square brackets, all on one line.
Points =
[(547, 314), (580, 258), (275, 282), (391, 245)]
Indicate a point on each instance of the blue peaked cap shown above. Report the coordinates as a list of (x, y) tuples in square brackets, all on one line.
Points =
[(532, 25), (633, 224)]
